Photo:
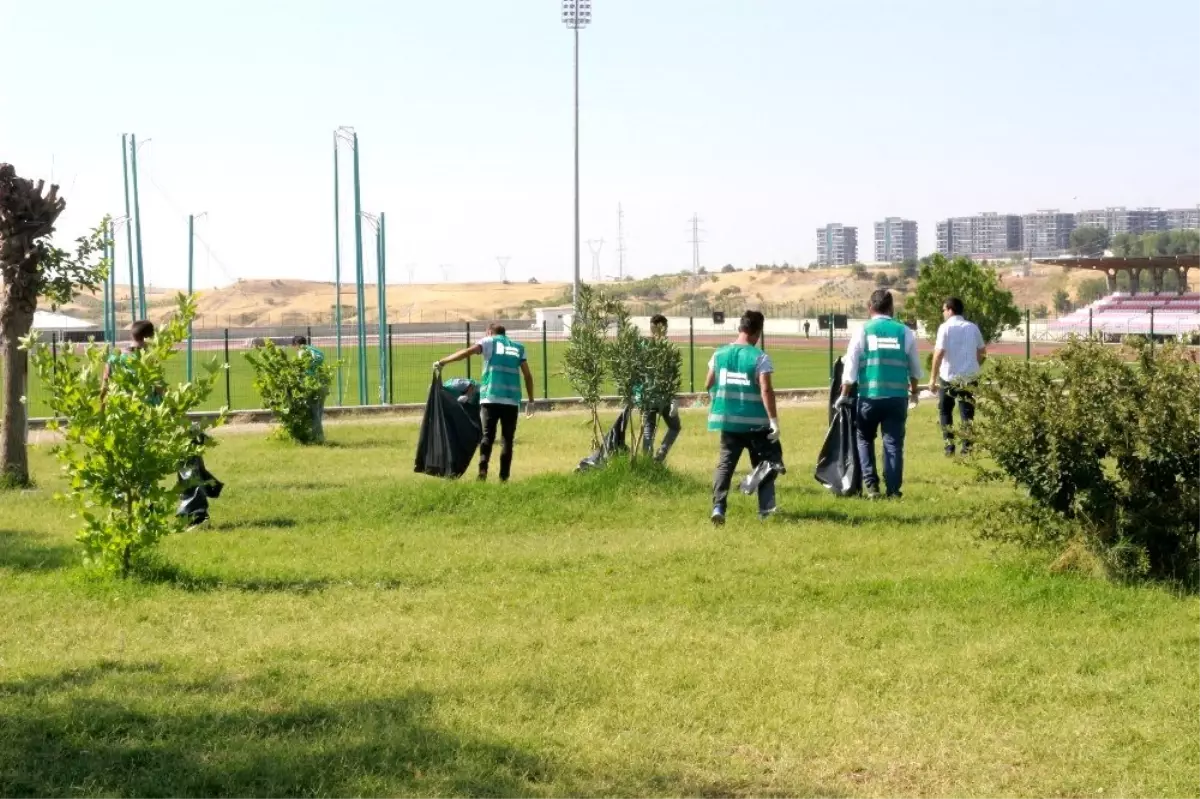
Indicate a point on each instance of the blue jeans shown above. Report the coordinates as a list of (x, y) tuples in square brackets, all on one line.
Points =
[(891, 414)]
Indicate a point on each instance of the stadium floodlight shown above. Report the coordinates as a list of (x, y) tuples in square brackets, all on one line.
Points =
[(576, 15)]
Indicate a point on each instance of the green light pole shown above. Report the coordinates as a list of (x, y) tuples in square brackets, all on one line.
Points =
[(137, 220), (106, 254), (381, 261), (133, 312), (358, 273), (337, 267)]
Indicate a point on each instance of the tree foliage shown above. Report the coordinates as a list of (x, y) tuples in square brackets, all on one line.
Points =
[(1090, 290), (31, 267), (585, 361), (1107, 455), (987, 304), (1089, 241), (288, 387), (1174, 242), (118, 450), (1062, 301)]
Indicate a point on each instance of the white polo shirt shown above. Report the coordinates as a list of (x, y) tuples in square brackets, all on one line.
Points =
[(959, 341)]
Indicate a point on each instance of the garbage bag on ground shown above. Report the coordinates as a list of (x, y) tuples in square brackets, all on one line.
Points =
[(838, 468), (197, 485), (449, 435), (770, 461), (614, 441)]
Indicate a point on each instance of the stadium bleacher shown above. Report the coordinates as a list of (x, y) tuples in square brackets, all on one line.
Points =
[(1125, 314)]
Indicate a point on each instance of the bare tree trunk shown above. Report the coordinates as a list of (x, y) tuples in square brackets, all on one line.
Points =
[(16, 318)]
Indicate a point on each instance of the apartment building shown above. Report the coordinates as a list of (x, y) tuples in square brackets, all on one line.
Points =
[(1047, 233), (986, 235), (895, 240), (1118, 220), (837, 245), (1182, 218)]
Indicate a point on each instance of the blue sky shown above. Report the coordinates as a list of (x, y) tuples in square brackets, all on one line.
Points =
[(766, 117)]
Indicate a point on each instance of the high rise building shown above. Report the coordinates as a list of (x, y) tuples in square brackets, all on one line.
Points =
[(1122, 220), (837, 245), (988, 235), (895, 239), (1182, 218), (1046, 233)]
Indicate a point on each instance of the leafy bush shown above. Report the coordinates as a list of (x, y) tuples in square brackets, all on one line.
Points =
[(584, 361), (289, 386), (727, 268), (1107, 455), (118, 450)]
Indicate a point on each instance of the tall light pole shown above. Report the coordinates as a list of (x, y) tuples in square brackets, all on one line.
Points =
[(576, 14)]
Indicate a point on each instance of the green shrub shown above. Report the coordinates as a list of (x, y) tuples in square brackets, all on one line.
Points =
[(289, 386), (1107, 455), (118, 450)]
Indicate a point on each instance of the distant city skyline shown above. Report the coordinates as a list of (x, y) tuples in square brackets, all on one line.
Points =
[(464, 115)]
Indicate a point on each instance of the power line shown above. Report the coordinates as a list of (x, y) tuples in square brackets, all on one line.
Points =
[(696, 241), (595, 245), (503, 261)]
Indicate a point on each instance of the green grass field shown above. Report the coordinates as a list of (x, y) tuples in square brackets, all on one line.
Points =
[(410, 373), (346, 627)]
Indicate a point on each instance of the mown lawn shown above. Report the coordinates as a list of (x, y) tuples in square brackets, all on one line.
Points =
[(349, 628)]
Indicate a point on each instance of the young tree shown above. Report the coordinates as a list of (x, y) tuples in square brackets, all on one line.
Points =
[(123, 438), (1062, 301), (32, 267), (290, 387), (1091, 290), (584, 361), (988, 305)]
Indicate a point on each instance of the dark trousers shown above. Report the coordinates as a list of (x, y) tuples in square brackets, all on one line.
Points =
[(649, 426), (506, 417), (890, 414), (948, 397), (732, 445)]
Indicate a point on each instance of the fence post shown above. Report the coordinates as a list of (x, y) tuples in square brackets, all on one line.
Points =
[(468, 328), (53, 354), (391, 395), (1028, 334), (692, 352), (545, 364), (831, 345), (308, 336), (1089, 322), (228, 396), (1151, 331)]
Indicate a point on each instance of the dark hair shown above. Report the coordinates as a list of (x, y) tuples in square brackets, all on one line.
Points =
[(496, 329), (881, 301), (658, 319), (954, 304), (142, 329), (299, 341), (751, 323)]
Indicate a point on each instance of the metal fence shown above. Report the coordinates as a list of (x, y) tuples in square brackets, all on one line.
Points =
[(396, 368)]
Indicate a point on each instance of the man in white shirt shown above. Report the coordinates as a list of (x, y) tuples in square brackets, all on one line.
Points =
[(957, 356)]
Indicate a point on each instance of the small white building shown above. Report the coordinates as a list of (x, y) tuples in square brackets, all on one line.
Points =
[(554, 320), (51, 321)]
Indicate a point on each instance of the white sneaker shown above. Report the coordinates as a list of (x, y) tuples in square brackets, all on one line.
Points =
[(766, 514)]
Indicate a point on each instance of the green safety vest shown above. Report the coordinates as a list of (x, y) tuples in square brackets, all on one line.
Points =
[(502, 373), (884, 370), (458, 387), (737, 403), (121, 360), (315, 357)]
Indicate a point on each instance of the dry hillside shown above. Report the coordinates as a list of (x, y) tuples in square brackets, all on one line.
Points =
[(263, 302)]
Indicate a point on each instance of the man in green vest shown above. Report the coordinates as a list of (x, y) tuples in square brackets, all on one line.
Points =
[(314, 358), (499, 394), (882, 361), (466, 392), (743, 412), (140, 333)]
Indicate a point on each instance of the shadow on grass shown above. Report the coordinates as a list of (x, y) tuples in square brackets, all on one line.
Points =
[(24, 551), (157, 571), (271, 523), (134, 737)]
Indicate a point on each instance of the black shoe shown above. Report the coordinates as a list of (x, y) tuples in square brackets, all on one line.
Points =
[(950, 452), (871, 492), (718, 517), (897, 495)]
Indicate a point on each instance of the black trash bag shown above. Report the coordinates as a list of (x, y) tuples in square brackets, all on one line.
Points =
[(614, 441), (196, 485), (838, 468), (770, 462), (448, 438), (835, 386)]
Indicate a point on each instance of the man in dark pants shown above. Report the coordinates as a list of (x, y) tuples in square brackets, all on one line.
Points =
[(882, 361), (668, 412), (743, 412), (957, 356), (499, 394)]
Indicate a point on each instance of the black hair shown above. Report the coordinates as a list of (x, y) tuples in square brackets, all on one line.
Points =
[(658, 319), (496, 329), (142, 329), (954, 304), (751, 323), (881, 302), (299, 341)]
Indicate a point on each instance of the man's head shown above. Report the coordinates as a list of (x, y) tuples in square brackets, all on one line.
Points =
[(751, 326), (496, 329), (881, 302), (141, 331), (299, 341), (953, 306), (658, 325)]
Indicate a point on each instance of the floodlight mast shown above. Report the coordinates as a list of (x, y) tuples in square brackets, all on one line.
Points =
[(576, 15)]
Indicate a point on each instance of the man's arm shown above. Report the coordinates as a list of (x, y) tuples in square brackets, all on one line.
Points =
[(710, 380), (528, 380), (935, 369), (474, 349), (850, 364), (980, 347), (768, 394), (915, 371)]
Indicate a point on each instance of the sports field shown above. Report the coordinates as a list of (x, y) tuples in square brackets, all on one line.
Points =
[(346, 627)]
